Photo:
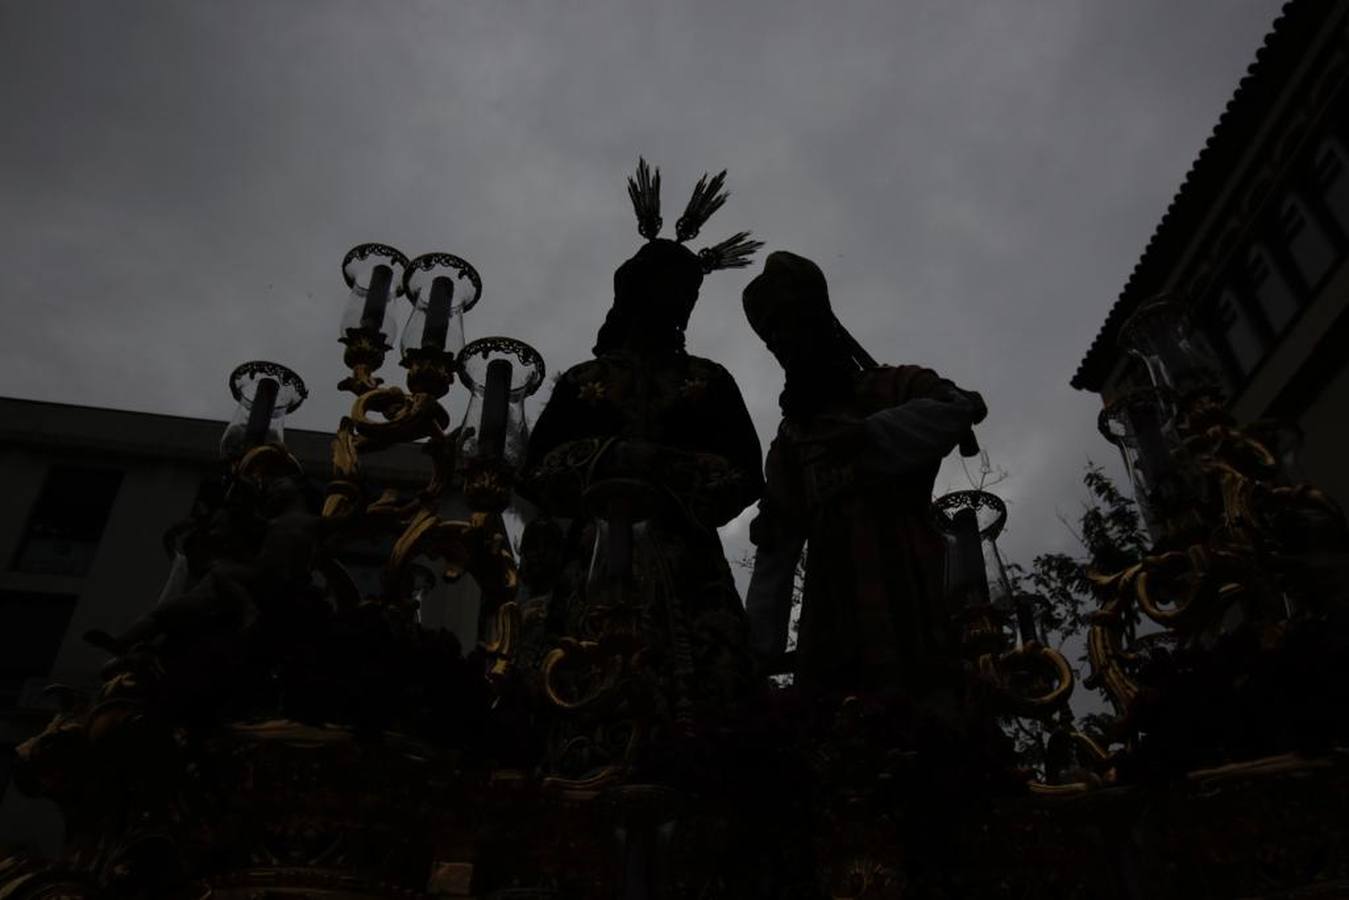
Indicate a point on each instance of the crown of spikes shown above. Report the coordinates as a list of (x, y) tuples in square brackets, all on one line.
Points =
[(708, 197)]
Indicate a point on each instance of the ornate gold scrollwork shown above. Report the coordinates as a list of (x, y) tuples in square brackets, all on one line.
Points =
[(614, 744), (364, 355), (1178, 588), (1248, 558), (1105, 648), (601, 671), (474, 546), (430, 371), (504, 644), (267, 461), (1034, 659), (403, 416), (383, 417)]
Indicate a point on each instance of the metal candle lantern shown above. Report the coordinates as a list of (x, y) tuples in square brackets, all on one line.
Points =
[(1159, 335), (1133, 423), (1143, 423), (977, 585), (500, 372), (374, 275), (264, 393), (441, 288)]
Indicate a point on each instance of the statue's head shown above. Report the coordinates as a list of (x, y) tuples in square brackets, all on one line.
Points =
[(655, 290), (659, 284), (788, 307)]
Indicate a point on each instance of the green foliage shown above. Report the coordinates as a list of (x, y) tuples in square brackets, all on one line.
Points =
[(1111, 529), (1112, 537)]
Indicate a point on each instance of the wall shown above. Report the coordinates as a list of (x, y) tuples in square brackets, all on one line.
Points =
[(163, 460)]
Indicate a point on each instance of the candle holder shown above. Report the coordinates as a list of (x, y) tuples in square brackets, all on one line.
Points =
[(977, 585), (264, 393), (437, 318), (373, 273), (500, 372), (1028, 679), (441, 287)]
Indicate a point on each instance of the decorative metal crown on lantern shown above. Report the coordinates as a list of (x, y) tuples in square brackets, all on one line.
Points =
[(708, 197)]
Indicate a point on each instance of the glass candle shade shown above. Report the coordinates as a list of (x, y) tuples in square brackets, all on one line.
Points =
[(500, 373), (441, 287), (373, 274), (1141, 425), (264, 393), (972, 520), (435, 324), (977, 588), (624, 561), (1159, 334)]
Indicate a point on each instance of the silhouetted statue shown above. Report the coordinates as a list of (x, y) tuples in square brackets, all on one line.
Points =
[(850, 472), (651, 449)]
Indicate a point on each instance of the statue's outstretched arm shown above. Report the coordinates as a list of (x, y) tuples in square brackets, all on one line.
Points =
[(920, 431)]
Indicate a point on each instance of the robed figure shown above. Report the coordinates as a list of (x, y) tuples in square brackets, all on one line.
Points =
[(850, 474), (647, 450)]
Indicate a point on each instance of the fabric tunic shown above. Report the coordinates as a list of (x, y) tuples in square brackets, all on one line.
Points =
[(673, 432), (872, 611)]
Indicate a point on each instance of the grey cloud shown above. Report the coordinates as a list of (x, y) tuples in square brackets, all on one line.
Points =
[(180, 180)]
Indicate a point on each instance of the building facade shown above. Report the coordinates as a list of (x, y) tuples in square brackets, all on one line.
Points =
[(87, 497), (1255, 245)]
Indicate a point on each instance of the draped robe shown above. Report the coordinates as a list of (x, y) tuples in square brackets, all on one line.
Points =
[(872, 612), (677, 424)]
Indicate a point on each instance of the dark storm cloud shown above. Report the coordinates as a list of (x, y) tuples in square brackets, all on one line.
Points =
[(180, 180)]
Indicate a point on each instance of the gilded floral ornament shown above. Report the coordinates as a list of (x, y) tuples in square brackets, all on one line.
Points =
[(693, 389), (593, 392)]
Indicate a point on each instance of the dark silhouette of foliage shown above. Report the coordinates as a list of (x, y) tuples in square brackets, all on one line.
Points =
[(1112, 538), (1111, 534)]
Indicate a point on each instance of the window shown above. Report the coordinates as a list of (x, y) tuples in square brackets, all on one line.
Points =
[(1307, 242), (1329, 170), (1232, 330), (67, 521), (1275, 295), (32, 625)]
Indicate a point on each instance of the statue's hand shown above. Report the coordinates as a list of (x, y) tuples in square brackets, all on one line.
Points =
[(978, 408), (835, 436), (971, 401)]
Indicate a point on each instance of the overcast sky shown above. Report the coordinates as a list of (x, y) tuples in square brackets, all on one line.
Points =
[(179, 181)]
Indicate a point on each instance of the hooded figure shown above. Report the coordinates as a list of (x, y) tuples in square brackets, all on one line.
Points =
[(850, 472)]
